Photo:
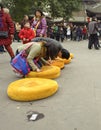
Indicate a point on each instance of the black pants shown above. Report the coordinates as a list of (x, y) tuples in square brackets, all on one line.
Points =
[(1, 48), (93, 40)]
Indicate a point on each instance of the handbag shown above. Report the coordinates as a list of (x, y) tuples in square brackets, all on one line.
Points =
[(35, 28), (20, 64), (3, 34)]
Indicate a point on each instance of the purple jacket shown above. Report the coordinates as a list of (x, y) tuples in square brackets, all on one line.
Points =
[(42, 27)]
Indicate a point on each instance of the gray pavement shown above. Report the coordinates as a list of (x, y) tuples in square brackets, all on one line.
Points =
[(76, 105)]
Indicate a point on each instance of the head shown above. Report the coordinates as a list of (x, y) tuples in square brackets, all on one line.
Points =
[(1, 6), (27, 25), (94, 19), (64, 54), (26, 17), (52, 50), (6, 10), (38, 13)]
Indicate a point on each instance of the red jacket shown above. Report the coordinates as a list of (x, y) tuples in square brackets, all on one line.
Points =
[(7, 25), (26, 33)]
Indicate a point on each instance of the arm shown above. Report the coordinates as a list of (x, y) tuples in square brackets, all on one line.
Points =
[(21, 34), (34, 51), (44, 26), (32, 35), (10, 24)]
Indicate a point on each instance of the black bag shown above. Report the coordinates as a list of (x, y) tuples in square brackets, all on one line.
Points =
[(3, 34)]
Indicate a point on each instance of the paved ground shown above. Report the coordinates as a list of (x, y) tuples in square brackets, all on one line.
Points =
[(77, 104)]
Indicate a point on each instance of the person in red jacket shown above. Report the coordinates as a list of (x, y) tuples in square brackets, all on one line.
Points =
[(6, 27), (26, 34)]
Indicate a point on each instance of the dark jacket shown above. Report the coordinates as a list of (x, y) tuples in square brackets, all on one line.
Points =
[(48, 40), (6, 24)]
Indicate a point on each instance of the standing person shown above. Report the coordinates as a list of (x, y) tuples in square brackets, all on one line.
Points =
[(6, 31), (61, 33), (25, 19), (79, 33), (26, 34), (2, 47), (92, 30), (84, 32), (68, 32), (39, 24), (17, 30)]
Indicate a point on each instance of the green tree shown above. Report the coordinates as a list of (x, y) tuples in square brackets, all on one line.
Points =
[(57, 8)]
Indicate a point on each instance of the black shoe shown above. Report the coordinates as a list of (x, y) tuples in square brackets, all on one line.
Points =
[(1, 52), (97, 48), (89, 47), (11, 59)]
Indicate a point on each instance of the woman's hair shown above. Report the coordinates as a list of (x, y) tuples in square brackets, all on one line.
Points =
[(1, 6), (65, 53), (38, 10), (52, 50)]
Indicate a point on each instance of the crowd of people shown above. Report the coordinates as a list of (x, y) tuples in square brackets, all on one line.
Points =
[(45, 39), (42, 49)]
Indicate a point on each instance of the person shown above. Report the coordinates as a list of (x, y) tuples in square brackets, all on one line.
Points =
[(6, 27), (39, 50), (64, 52), (2, 49), (93, 38), (25, 20), (39, 24), (26, 34), (17, 30)]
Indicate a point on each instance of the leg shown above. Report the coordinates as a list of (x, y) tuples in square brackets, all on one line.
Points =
[(10, 51), (89, 43)]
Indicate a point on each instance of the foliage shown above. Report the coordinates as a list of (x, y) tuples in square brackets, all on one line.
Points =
[(57, 8)]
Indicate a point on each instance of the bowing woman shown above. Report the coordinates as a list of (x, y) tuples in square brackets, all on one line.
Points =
[(39, 50)]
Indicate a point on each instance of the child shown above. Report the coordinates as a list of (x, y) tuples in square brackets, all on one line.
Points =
[(26, 34)]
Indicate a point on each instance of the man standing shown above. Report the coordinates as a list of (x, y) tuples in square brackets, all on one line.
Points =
[(93, 38)]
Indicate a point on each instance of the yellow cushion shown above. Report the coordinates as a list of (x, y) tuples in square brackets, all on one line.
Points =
[(58, 63), (71, 55), (30, 89), (49, 72), (66, 61)]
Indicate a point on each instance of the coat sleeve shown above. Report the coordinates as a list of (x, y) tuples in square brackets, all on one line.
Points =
[(34, 51), (44, 26), (32, 35), (21, 34)]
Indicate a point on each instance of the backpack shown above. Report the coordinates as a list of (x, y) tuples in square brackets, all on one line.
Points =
[(20, 64)]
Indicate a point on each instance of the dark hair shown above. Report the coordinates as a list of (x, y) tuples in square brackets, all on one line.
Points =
[(39, 11), (52, 50), (1, 6), (93, 18), (65, 53)]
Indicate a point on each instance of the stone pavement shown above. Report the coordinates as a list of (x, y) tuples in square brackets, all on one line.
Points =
[(76, 105)]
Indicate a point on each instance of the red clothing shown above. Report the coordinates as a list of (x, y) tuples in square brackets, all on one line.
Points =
[(7, 25), (26, 33), (84, 31)]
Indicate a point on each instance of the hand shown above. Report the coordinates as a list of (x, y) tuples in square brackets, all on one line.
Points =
[(40, 35), (27, 39), (12, 36), (48, 63), (38, 70), (24, 39)]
